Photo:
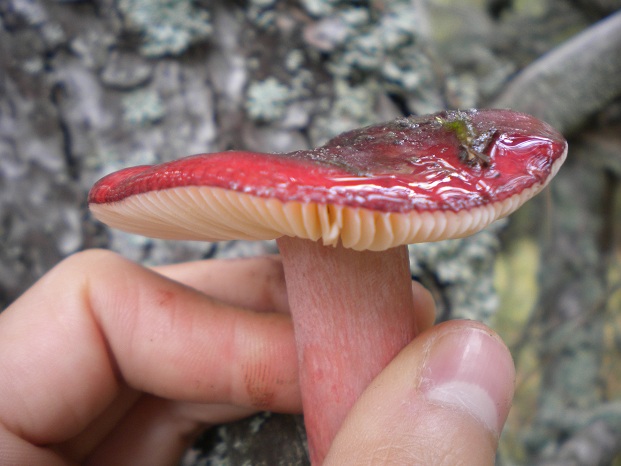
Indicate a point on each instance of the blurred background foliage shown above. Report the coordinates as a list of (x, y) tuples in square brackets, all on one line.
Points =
[(87, 87)]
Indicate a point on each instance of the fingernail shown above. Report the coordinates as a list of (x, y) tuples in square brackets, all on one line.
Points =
[(471, 369)]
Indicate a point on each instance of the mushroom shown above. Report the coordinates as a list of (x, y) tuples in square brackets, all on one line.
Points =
[(342, 215)]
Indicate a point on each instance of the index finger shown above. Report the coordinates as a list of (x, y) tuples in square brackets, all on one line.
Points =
[(262, 279)]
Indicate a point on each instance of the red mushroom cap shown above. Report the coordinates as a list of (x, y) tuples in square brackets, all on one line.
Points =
[(409, 180)]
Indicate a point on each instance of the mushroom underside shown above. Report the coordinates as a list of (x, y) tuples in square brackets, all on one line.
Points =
[(214, 214)]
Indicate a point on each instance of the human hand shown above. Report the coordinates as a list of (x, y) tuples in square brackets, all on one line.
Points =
[(106, 362)]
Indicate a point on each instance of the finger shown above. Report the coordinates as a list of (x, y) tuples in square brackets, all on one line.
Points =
[(98, 322), (256, 283), (154, 432), (425, 307), (263, 284), (157, 431), (443, 401)]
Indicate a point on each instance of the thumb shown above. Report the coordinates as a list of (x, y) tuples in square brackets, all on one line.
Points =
[(442, 401)]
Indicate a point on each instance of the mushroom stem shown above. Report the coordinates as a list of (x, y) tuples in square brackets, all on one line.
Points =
[(352, 312)]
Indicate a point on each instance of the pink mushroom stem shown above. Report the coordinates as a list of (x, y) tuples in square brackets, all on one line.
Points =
[(352, 312)]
